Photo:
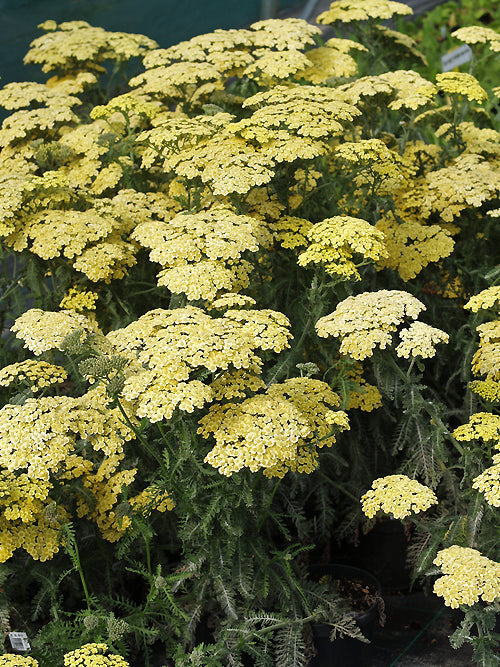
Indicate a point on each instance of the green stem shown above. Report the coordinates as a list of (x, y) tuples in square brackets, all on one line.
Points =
[(162, 433), (137, 433), (266, 513), (338, 486), (148, 552)]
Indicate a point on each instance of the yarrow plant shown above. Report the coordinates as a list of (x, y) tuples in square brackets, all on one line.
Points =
[(226, 263)]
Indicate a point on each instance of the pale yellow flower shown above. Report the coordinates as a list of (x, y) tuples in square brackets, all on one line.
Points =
[(461, 83), (419, 340), (478, 34), (468, 577), (397, 495), (347, 11), (368, 320)]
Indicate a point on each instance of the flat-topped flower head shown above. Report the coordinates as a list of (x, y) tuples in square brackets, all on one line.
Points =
[(79, 300), (271, 431), (200, 48), (232, 300), (44, 330), (467, 183), (411, 90), (37, 374), (19, 95), (461, 83), (371, 155), (397, 495), (368, 320), (486, 299), (412, 246), (127, 104), (75, 43), (288, 113), (468, 577), (94, 655), (419, 340), (478, 34), (486, 359), (488, 389), (276, 65), (335, 242), (481, 426), (168, 81), (488, 483), (349, 11), (30, 124), (327, 63), (10, 660), (283, 34), (366, 86)]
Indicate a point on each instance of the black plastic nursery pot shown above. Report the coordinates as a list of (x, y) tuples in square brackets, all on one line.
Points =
[(345, 651), (382, 551)]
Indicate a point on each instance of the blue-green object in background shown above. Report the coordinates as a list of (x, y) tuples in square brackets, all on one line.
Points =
[(166, 21)]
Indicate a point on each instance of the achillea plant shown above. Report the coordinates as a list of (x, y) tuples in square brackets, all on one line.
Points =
[(188, 246)]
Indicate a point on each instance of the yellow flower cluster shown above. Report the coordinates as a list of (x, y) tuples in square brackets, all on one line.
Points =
[(127, 104), (37, 374), (467, 577), (94, 655), (411, 245), (171, 345), (487, 299), (373, 160), (486, 359), (17, 661), (461, 83), (335, 242), (237, 383), (232, 300), (42, 444), (75, 45), (328, 63), (276, 65), (79, 300), (481, 425), (348, 11), (292, 122), (397, 495), (201, 252), (43, 330), (411, 90), (29, 518), (488, 389), (419, 340), (151, 498), (488, 482), (362, 395), (368, 320), (290, 231), (271, 431), (467, 183), (20, 95), (478, 34)]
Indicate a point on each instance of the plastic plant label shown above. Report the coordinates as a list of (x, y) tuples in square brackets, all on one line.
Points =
[(456, 57), (19, 641)]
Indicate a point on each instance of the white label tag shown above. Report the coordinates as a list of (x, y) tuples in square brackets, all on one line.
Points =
[(19, 641), (456, 57)]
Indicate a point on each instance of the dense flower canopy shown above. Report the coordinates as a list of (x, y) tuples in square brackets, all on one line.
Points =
[(217, 255)]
